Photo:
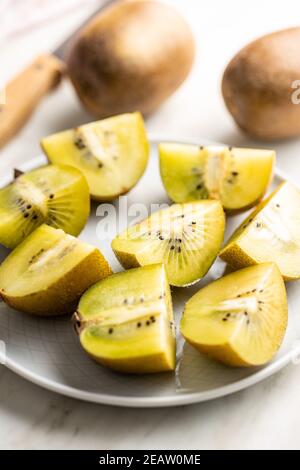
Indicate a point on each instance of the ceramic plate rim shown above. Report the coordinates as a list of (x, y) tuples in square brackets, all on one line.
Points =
[(183, 398)]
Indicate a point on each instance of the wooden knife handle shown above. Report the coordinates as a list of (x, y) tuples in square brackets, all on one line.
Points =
[(21, 96)]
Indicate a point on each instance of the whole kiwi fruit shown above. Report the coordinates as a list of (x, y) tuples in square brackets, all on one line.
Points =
[(258, 86), (132, 56)]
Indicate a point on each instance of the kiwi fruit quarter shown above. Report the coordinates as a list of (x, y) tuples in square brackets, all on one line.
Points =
[(54, 194), (112, 153), (238, 177), (48, 272), (185, 237), (125, 322), (239, 319), (271, 233)]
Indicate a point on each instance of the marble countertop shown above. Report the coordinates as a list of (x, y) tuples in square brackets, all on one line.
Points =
[(264, 416)]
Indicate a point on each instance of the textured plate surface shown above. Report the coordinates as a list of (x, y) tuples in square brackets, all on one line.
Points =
[(47, 352)]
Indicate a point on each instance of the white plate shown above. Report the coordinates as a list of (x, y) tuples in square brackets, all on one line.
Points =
[(47, 352)]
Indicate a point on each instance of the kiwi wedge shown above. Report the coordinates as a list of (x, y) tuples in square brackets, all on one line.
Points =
[(238, 177), (185, 237), (54, 194), (111, 153), (239, 319), (48, 272), (125, 322), (270, 233)]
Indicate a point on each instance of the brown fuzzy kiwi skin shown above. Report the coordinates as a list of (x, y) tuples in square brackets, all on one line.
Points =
[(136, 365), (257, 86), (113, 72), (230, 212), (139, 365), (242, 260), (228, 356), (222, 353), (126, 260), (62, 296)]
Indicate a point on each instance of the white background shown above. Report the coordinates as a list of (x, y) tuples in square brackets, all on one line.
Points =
[(264, 416)]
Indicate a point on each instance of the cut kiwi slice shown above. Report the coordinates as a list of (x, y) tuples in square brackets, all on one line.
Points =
[(55, 194), (238, 177), (48, 272), (125, 322), (185, 237), (239, 319), (112, 153), (270, 233)]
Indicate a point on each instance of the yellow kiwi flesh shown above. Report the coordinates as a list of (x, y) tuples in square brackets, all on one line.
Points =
[(125, 322), (111, 153), (239, 319), (238, 177), (57, 195), (271, 233), (185, 237), (47, 273)]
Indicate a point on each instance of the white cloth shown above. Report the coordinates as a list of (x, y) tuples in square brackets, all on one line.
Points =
[(21, 17)]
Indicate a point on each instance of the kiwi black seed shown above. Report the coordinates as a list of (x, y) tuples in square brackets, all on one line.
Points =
[(79, 143)]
